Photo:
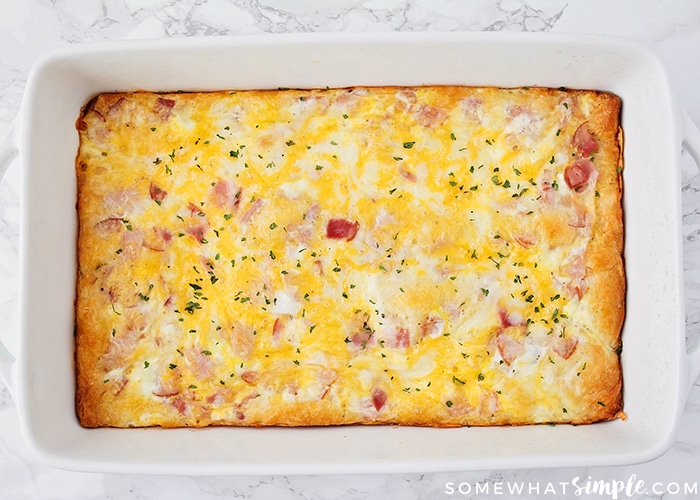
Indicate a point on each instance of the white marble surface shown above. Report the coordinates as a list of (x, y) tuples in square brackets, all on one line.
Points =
[(30, 28)]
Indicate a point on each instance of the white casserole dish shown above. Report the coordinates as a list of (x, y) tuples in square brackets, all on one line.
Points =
[(658, 369)]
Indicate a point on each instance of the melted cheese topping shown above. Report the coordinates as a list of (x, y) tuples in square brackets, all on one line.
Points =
[(314, 257)]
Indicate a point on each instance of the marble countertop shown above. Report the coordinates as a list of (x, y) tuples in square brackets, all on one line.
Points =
[(28, 29)]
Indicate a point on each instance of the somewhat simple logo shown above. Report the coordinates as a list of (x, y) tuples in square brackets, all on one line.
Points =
[(611, 488), (586, 487)]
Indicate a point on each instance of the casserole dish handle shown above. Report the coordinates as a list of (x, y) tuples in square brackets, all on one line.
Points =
[(8, 152), (691, 143)]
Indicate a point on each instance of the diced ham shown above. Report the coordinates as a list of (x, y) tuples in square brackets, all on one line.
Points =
[(454, 311), (119, 385), (199, 362), (303, 231), (493, 403), (277, 329), (342, 229), (363, 339), (214, 399), (545, 186), (579, 217), (198, 231), (396, 337), (240, 415), (154, 244), (408, 175), (195, 222), (116, 106), (574, 268), (195, 210), (378, 235), (524, 124), (250, 377), (525, 240), (156, 193), (300, 233), (180, 405), (82, 124), (432, 327), (119, 347), (131, 243), (111, 225), (226, 195), (164, 234), (382, 219), (247, 399), (361, 335), (568, 106), (431, 116), (312, 213), (120, 201), (508, 348), (346, 97), (350, 100), (379, 398), (518, 110), (405, 99), (458, 406), (315, 103), (242, 341), (403, 338), (509, 319), (291, 388), (163, 107), (578, 174), (327, 376), (158, 239), (471, 107), (426, 115), (583, 140), (253, 209), (565, 347), (122, 344), (207, 263), (167, 103), (97, 131), (260, 291), (167, 389), (488, 404), (219, 397)]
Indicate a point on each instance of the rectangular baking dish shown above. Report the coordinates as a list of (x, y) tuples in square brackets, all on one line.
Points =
[(658, 369)]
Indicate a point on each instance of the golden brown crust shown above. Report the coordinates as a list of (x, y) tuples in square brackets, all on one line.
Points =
[(434, 256), (604, 257)]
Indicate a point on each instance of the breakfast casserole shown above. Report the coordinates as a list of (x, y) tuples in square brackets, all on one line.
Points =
[(435, 256)]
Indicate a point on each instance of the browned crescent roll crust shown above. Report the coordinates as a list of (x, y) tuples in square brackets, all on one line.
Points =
[(432, 256)]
